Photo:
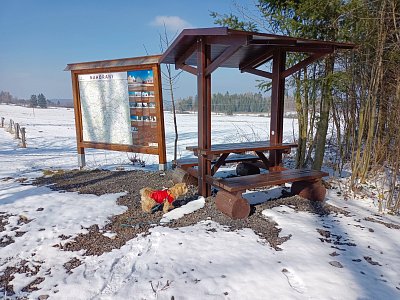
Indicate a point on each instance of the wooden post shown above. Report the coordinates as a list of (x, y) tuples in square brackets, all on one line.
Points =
[(10, 128), (16, 129), (23, 137), (2, 122), (78, 120), (162, 157), (204, 114), (277, 103)]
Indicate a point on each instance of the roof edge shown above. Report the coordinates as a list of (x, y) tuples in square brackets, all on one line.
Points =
[(109, 63)]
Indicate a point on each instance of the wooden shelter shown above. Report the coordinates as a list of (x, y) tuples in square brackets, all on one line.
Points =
[(201, 51)]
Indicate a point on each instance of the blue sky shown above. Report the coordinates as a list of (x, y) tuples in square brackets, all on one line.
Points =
[(38, 38)]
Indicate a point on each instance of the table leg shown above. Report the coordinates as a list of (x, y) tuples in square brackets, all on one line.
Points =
[(263, 159), (219, 163)]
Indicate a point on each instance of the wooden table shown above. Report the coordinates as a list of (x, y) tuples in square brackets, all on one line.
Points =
[(229, 200), (224, 150)]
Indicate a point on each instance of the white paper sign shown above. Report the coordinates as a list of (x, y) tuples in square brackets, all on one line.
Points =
[(105, 108)]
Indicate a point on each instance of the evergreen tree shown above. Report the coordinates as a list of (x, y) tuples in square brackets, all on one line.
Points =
[(41, 100), (34, 101)]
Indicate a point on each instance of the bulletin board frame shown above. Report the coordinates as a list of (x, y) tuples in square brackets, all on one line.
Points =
[(150, 118)]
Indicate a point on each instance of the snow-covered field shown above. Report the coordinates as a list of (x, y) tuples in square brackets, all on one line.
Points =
[(204, 261)]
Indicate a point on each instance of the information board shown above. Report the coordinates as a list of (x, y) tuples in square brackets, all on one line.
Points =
[(118, 106)]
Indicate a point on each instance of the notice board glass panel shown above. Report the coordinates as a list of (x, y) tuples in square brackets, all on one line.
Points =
[(119, 108), (105, 108)]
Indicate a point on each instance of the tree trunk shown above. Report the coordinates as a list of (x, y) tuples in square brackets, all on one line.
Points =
[(326, 103)]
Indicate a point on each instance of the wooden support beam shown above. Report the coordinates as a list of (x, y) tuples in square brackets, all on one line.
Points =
[(221, 58), (309, 49), (219, 163), (204, 114), (277, 101), (304, 63), (181, 59), (78, 119), (258, 73), (189, 69), (254, 62), (162, 156)]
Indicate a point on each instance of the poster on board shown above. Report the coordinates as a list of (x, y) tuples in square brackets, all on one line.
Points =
[(105, 108), (119, 108)]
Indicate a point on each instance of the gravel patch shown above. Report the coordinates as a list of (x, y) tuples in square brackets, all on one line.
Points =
[(134, 221)]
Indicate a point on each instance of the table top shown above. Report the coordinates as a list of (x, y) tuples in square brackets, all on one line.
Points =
[(243, 147)]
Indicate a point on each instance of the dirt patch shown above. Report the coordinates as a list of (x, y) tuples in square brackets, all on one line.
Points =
[(3, 220), (72, 264), (388, 225), (23, 267), (134, 222)]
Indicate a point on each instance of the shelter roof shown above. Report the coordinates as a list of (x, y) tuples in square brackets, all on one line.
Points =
[(123, 62), (245, 47)]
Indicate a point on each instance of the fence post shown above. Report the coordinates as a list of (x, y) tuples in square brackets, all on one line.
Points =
[(2, 122), (16, 128), (11, 126), (23, 139)]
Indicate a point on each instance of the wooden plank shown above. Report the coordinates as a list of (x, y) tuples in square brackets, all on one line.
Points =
[(263, 159), (77, 112), (145, 111), (191, 162), (304, 63), (258, 72), (133, 99), (221, 160), (243, 147), (113, 69), (189, 69), (162, 155), (242, 183), (132, 88), (181, 58), (255, 61), (223, 57), (118, 147)]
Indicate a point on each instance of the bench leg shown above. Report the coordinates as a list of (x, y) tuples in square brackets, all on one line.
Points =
[(232, 205), (311, 190)]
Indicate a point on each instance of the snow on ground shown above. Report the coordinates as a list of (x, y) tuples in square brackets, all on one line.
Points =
[(327, 257)]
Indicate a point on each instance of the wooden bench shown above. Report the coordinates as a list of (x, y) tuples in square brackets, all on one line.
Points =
[(229, 200), (242, 183)]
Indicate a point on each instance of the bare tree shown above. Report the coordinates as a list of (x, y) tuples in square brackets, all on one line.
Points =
[(171, 80)]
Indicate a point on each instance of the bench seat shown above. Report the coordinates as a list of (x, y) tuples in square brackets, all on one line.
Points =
[(239, 184)]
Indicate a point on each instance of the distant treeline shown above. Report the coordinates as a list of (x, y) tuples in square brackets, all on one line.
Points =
[(39, 100), (234, 103)]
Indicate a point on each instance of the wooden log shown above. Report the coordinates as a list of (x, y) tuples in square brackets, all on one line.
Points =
[(179, 175), (245, 168), (23, 137), (311, 190), (234, 206)]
